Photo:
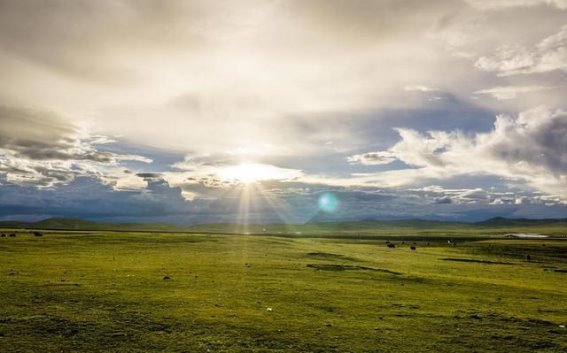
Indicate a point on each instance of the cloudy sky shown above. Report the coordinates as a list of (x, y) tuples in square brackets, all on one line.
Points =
[(255, 111)]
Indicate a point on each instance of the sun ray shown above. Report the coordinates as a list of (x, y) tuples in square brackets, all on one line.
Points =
[(278, 205)]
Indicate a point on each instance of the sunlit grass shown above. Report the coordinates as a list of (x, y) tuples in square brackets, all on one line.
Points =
[(106, 292)]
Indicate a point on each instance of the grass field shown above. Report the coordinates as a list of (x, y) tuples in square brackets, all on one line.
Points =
[(143, 292)]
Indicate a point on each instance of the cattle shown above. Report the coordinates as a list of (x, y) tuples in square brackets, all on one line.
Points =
[(527, 257), (3, 235), (391, 246), (38, 234), (412, 247), (12, 235)]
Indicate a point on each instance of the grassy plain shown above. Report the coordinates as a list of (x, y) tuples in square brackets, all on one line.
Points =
[(162, 292)]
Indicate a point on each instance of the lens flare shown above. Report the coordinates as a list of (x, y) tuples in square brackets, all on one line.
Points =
[(328, 202)]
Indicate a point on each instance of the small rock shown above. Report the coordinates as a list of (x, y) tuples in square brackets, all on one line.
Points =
[(269, 310)]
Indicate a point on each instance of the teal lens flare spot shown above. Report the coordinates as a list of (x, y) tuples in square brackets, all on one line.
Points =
[(328, 202)]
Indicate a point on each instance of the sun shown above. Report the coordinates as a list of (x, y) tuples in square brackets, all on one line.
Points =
[(248, 173)]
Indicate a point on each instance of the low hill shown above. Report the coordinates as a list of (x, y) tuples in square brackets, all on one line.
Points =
[(409, 227), (520, 222), (65, 223), (79, 224)]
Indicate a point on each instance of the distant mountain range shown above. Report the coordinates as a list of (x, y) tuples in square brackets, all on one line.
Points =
[(79, 224), (314, 225), (518, 222)]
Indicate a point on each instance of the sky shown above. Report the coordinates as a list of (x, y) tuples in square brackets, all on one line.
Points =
[(253, 111)]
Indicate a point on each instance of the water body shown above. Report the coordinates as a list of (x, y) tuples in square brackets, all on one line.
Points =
[(527, 235)]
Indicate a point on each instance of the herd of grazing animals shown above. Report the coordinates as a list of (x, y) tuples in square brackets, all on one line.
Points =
[(390, 245), (13, 235), (393, 246)]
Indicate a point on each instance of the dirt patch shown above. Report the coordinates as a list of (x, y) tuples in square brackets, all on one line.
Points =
[(478, 261), (338, 268), (330, 256), (504, 333)]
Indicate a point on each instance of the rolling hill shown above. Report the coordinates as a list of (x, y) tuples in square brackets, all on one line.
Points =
[(412, 227)]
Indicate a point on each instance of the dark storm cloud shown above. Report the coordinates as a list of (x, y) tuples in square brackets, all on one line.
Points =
[(31, 126), (42, 149), (294, 202), (149, 175), (443, 200), (85, 197), (39, 151), (543, 142), (41, 135)]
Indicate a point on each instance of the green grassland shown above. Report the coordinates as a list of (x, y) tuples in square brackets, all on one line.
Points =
[(406, 228), (164, 292)]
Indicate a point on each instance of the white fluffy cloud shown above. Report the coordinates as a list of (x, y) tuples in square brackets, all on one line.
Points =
[(420, 88), (372, 158), (548, 55), (250, 75), (510, 92), (499, 4), (529, 149)]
